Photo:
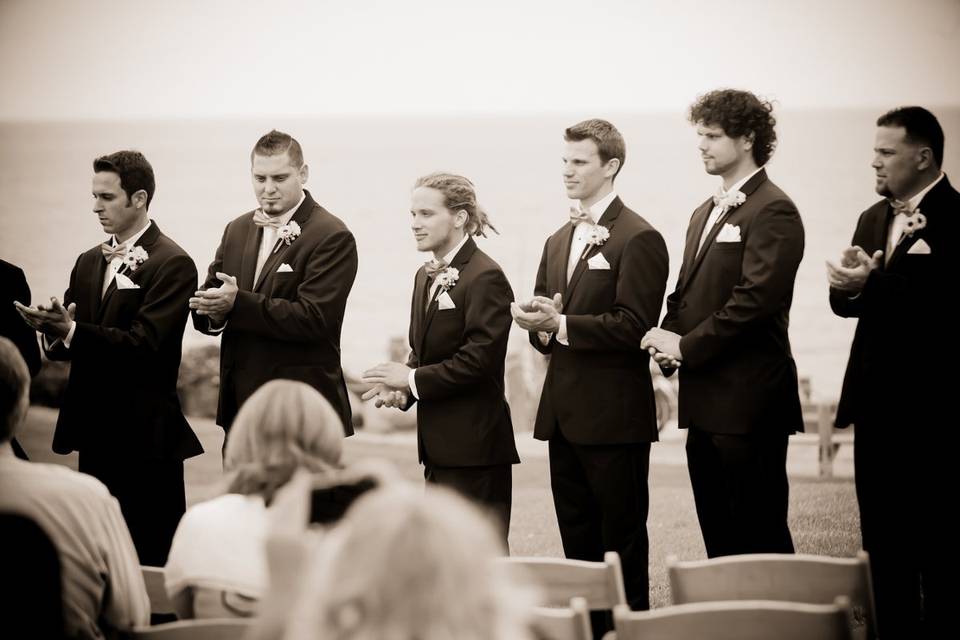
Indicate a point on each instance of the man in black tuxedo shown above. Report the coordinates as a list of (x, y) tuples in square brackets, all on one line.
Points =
[(14, 287), (726, 326), (599, 289), (459, 326), (896, 278), (121, 325), (284, 272)]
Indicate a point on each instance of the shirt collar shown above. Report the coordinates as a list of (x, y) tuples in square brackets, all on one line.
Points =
[(914, 202), (453, 252), (284, 217), (597, 209), (739, 183), (132, 240)]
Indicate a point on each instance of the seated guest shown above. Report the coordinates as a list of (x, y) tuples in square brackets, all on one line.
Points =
[(33, 605), (405, 565), (217, 565), (103, 588)]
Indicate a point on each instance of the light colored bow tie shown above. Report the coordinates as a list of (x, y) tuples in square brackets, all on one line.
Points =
[(902, 208), (434, 267), (263, 220), (110, 252), (577, 216)]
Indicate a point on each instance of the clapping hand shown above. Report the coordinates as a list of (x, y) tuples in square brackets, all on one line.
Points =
[(538, 314), (663, 346), (216, 302), (854, 269), (52, 320), (390, 384)]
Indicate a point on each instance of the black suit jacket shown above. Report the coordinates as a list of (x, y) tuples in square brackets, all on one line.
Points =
[(732, 309), (905, 316), (598, 389), (463, 418), (121, 396), (287, 324), (13, 286)]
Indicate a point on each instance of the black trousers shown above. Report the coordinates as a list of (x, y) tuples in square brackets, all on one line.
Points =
[(601, 497), (906, 486), (741, 491), (490, 487), (151, 496)]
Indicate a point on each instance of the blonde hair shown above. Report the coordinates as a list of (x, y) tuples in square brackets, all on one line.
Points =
[(284, 426), (409, 565), (459, 194)]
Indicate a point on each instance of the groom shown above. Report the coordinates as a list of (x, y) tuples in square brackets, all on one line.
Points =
[(726, 327), (599, 289)]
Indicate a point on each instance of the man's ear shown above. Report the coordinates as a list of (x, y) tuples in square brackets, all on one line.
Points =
[(139, 199)]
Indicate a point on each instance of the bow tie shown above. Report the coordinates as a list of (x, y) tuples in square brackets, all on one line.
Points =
[(902, 208), (577, 216), (434, 267), (263, 220), (110, 253)]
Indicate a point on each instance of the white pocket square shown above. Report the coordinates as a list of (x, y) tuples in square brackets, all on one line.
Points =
[(284, 268), (444, 301), (598, 262), (729, 233), (123, 282), (919, 248)]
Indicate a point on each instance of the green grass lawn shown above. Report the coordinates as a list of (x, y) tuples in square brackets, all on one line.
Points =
[(823, 513)]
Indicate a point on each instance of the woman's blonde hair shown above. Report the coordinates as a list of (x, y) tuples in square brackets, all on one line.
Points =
[(284, 426), (407, 565)]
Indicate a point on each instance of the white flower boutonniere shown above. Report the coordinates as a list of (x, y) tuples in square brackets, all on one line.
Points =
[(288, 233), (447, 278), (135, 257), (914, 223), (597, 235), (729, 199)]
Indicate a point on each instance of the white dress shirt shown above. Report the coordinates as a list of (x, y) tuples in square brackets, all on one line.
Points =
[(108, 276), (448, 258), (899, 221), (719, 209)]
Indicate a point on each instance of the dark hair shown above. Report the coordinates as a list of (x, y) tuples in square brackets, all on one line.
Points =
[(277, 143), (921, 126), (609, 142), (135, 172), (459, 193), (739, 113), (14, 387)]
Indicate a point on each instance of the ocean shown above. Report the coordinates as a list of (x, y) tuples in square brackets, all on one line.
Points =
[(362, 170)]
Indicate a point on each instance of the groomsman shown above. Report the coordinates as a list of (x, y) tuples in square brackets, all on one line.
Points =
[(599, 289), (896, 279), (14, 287), (121, 325), (278, 286), (726, 326), (459, 326)]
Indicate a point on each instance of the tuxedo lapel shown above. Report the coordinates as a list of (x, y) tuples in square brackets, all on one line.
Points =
[(98, 270), (747, 189), (301, 217), (608, 219), (463, 257), (248, 259), (558, 258), (930, 207)]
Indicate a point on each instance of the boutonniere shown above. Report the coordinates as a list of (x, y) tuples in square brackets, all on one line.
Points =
[(730, 199), (287, 233), (135, 257), (447, 278), (597, 235), (914, 223)]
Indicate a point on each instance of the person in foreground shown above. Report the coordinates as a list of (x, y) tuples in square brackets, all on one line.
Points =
[(459, 327), (896, 278), (409, 565), (103, 589), (217, 564)]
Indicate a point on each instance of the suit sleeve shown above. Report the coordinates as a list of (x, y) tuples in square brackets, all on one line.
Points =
[(772, 253), (880, 285), (641, 283), (21, 334), (486, 329), (202, 323), (163, 311), (413, 360), (317, 312), (540, 289)]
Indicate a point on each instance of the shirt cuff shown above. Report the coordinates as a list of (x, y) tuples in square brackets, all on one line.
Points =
[(412, 383), (544, 337), (215, 331), (562, 337), (48, 344)]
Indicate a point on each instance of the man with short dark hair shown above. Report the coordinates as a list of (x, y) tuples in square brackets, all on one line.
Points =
[(599, 289), (896, 278), (726, 328), (121, 325), (102, 587), (278, 287)]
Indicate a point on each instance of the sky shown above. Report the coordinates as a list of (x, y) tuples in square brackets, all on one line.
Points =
[(103, 59)]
